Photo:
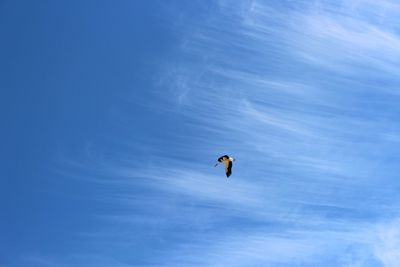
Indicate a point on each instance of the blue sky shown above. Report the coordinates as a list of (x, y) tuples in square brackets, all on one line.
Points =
[(114, 113)]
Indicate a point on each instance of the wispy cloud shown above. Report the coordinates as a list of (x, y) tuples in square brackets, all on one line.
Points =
[(304, 96), (387, 248), (314, 148)]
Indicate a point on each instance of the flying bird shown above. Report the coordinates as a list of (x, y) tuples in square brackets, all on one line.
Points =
[(227, 162)]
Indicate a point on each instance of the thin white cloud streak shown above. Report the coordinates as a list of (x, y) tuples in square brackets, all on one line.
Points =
[(332, 36), (364, 245), (247, 250), (360, 47), (284, 248)]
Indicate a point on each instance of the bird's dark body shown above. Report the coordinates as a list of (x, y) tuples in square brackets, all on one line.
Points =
[(229, 169)]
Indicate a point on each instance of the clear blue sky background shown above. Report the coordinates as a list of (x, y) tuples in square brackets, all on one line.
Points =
[(114, 112)]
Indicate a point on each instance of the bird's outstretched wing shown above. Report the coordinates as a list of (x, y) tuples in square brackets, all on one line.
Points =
[(228, 167)]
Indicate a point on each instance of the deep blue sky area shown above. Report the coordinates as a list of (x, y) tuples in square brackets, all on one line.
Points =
[(114, 112), (68, 68)]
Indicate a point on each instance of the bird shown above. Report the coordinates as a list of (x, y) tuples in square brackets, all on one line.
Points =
[(227, 160)]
